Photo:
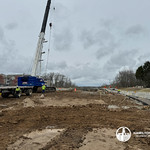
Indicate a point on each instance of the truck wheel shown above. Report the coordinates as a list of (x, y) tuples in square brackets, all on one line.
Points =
[(35, 88), (5, 95), (29, 92), (51, 89)]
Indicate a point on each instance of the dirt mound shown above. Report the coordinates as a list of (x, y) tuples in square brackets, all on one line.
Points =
[(28, 102)]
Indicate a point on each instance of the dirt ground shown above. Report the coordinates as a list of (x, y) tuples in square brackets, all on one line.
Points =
[(72, 120)]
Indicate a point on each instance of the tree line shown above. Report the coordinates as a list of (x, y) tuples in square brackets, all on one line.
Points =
[(129, 78), (57, 80)]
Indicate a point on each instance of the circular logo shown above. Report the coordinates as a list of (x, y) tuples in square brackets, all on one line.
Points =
[(123, 134)]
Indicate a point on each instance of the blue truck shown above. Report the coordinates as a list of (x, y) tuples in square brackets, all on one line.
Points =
[(27, 84), (30, 81)]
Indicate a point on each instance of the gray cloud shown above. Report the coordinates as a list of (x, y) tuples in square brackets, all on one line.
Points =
[(10, 60), (103, 39), (62, 35), (86, 74), (106, 50), (141, 59), (109, 38), (2, 36), (83, 71), (122, 58), (4, 49), (87, 38), (60, 13), (135, 30), (108, 24), (63, 40), (11, 26), (59, 65)]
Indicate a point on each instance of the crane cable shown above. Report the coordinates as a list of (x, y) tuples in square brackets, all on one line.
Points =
[(49, 42), (48, 47)]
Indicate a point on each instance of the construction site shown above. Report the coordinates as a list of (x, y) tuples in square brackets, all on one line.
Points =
[(45, 110), (66, 120)]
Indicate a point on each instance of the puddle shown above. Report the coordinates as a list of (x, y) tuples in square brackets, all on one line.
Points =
[(35, 140)]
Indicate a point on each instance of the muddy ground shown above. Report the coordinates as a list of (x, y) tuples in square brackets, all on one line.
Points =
[(72, 120)]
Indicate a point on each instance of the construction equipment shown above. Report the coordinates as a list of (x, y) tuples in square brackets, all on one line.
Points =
[(38, 57), (29, 84), (33, 80)]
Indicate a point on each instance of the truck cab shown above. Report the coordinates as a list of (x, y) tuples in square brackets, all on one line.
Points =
[(31, 81)]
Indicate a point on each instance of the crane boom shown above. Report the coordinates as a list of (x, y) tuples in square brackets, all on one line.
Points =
[(38, 56)]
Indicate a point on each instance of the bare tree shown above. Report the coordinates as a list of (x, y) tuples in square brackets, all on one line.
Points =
[(57, 80), (125, 78)]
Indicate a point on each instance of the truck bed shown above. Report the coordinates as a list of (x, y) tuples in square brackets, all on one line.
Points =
[(14, 87)]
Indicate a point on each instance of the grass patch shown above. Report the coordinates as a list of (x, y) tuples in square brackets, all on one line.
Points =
[(136, 89)]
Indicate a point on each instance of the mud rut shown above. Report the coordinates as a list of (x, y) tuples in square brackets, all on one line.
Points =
[(77, 120)]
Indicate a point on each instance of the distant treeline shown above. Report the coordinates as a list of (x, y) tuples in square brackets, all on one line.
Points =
[(57, 80), (129, 78)]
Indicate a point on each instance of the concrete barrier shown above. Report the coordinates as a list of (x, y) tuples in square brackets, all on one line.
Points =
[(137, 94)]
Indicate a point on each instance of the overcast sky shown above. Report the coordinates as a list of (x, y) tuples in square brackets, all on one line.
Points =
[(91, 41)]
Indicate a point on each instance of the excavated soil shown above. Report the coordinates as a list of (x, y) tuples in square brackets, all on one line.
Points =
[(84, 120)]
